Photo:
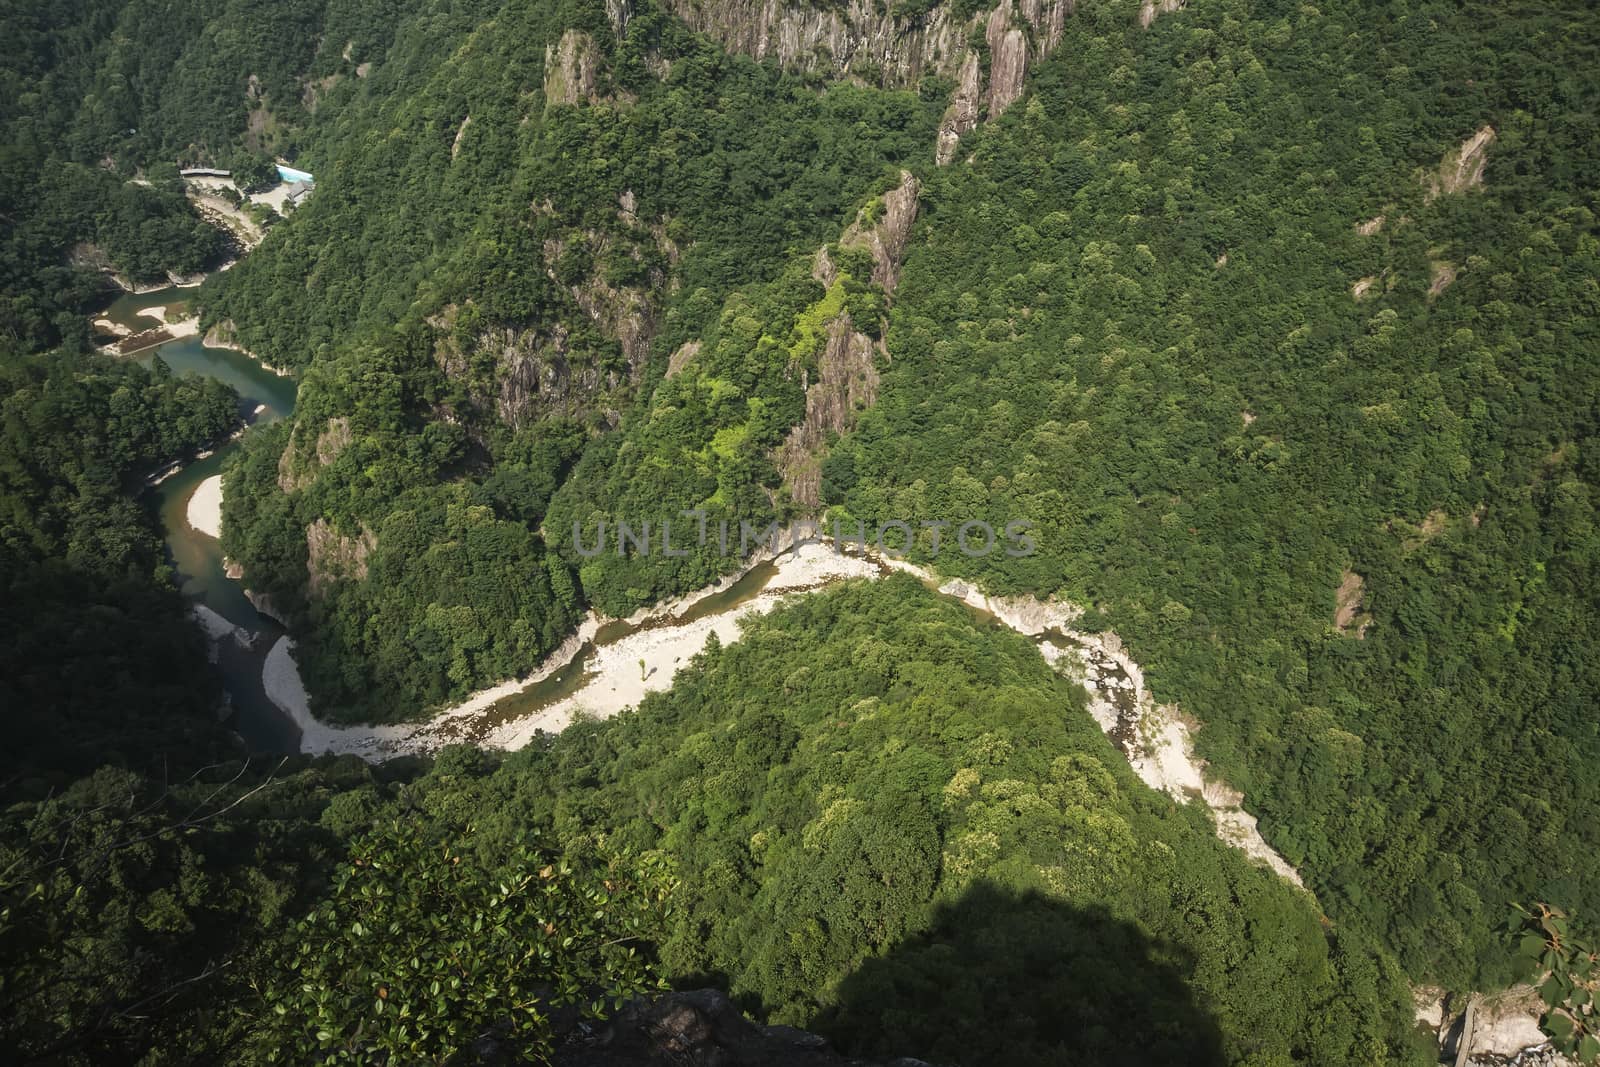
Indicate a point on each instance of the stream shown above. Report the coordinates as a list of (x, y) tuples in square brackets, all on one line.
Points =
[(263, 397)]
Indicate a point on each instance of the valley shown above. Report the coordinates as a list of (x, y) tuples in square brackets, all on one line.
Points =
[(354, 713)]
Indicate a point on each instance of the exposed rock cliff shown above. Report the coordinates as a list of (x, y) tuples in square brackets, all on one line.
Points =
[(570, 68), (1461, 168), (887, 237), (847, 372), (1151, 8), (682, 357), (525, 372), (847, 383), (332, 556), (962, 114), (299, 465), (866, 39), (267, 605), (1497, 1028), (534, 375), (1008, 59), (862, 38)]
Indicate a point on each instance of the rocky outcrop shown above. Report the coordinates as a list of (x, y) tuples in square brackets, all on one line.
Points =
[(1347, 615), (867, 40), (88, 256), (1442, 276), (332, 556), (682, 357), (625, 315), (1482, 1029), (618, 13), (1461, 168), (535, 376), (962, 115), (570, 69), (823, 268), (701, 1028), (847, 384), (859, 38), (847, 372), (296, 468), (1008, 59), (886, 236), (555, 368), (1151, 8), (265, 604)]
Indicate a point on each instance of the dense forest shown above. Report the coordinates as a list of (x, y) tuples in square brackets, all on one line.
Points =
[(1276, 322), (1163, 368), (463, 352), (874, 816), (99, 662)]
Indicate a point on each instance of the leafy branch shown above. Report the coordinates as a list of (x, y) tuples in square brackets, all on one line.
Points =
[(1567, 971)]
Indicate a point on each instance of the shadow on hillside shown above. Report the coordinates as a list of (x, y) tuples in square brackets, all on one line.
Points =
[(1017, 980)]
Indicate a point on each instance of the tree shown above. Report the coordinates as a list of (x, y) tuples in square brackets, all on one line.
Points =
[(421, 950)]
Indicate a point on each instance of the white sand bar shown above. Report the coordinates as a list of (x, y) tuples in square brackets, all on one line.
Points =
[(614, 679), (1161, 751), (205, 507)]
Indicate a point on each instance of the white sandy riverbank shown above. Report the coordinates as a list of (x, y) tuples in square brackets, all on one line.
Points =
[(1157, 740), (614, 679), (205, 507)]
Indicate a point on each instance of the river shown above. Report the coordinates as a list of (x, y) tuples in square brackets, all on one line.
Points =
[(609, 665), (263, 397)]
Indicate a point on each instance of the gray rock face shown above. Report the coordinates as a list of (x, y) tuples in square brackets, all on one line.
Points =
[(962, 114), (1008, 59), (864, 39), (860, 37), (887, 238), (847, 385), (570, 68)]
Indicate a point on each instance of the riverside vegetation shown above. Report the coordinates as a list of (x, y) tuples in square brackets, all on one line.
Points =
[(1293, 404)]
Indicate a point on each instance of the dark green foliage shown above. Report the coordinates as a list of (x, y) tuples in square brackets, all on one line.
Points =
[(62, 224), (1207, 447), (129, 904), (420, 951), (98, 659), (894, 823)]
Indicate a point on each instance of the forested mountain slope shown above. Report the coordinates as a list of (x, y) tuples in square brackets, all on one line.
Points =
[(1217, 306), (99, 662), (874, 816), (491, 287), (1275, 321), (1130, 320)]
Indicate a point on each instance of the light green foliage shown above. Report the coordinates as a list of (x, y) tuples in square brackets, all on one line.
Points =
[(704, 442), (1567, 971), (422, 949)]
